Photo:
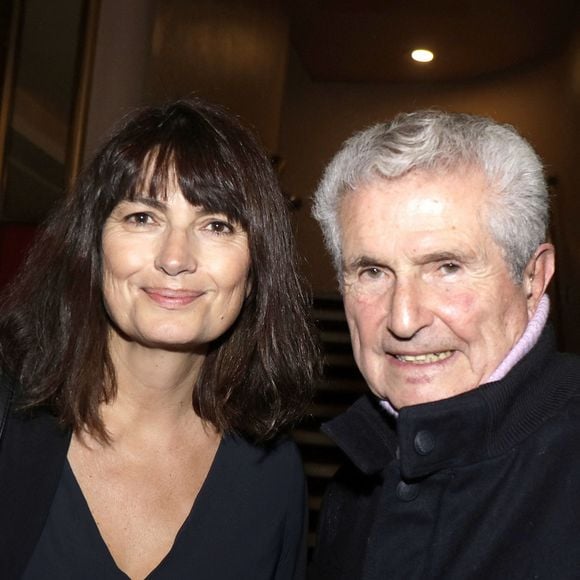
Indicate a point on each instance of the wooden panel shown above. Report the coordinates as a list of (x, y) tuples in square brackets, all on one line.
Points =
[(230, 52)]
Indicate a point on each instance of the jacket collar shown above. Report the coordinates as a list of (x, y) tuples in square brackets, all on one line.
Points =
[(365, 433), (460, 430)]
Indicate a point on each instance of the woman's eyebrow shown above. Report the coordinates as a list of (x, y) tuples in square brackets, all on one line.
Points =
[(150, 201)]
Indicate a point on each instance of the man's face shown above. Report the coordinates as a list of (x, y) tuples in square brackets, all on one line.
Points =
[(430, 303)]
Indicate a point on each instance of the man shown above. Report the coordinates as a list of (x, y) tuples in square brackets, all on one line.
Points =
[(464, 460)]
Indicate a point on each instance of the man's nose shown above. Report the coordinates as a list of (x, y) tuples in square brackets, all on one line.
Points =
[(176, 254), (409, 310)]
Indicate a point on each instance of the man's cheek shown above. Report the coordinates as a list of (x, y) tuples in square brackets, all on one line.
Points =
[(459, 308)]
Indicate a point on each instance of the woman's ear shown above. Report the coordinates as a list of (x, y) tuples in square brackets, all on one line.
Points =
[(538, 274)]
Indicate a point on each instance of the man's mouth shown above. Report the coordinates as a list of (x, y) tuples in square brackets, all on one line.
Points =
[(423, 359)]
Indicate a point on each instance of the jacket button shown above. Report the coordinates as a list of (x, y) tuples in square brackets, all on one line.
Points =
[(424, 442), (407, 491)]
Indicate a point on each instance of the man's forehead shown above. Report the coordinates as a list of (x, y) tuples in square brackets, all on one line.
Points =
[(421, 192), (423, 214)]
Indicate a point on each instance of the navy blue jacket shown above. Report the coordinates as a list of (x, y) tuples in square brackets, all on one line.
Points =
[(482, 485)]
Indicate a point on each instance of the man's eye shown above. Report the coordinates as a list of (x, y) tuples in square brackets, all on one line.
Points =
[(372, 273), (450, 268)]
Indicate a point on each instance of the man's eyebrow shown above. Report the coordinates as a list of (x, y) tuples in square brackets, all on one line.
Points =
[(444, 256), (363, 262)]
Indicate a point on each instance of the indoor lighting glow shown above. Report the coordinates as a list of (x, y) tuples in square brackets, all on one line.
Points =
[(422, 55)]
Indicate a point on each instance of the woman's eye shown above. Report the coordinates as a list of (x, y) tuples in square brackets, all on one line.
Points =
[(220, 227), (139, 218)]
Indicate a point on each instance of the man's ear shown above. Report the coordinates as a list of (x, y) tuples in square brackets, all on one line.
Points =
[(538, 274)]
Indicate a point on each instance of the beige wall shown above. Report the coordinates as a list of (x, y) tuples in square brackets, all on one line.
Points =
[(120, 68), (149, 51), (230, 52)]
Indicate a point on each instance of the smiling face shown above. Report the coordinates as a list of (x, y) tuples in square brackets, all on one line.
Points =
[(430, 303), (174, 275)]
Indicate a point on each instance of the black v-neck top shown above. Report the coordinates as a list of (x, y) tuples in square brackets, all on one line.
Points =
[(247, 522)]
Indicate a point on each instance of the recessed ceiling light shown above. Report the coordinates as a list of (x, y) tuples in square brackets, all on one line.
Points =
[(422, 55)]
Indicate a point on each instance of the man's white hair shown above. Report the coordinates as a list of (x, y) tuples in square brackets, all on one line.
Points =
[(517, 208)]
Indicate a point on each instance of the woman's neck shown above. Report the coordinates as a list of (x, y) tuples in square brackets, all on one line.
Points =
[(154, 389)]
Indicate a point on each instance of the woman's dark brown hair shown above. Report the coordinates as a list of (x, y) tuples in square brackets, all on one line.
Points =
[(257, 378)]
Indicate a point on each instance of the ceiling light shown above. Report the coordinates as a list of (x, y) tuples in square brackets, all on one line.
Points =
[(422, 55)]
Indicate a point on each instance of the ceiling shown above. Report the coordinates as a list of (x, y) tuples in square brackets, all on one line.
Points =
[(371, 40)]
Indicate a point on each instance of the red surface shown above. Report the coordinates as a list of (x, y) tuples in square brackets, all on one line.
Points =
[(15, 240)]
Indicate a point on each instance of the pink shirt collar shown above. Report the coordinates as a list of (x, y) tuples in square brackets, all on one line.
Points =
[(519, 350)]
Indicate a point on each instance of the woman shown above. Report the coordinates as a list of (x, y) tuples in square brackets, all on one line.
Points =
[(157, 335)]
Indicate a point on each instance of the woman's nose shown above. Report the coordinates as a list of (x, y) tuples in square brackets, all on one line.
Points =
[(176, 254)]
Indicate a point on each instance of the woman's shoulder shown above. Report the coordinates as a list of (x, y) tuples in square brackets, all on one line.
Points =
[(280, 449), (279, 459)]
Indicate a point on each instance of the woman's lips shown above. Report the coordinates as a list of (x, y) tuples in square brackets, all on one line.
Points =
[(170, 298)]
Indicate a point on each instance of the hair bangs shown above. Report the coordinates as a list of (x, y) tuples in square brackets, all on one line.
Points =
[(203, 170)]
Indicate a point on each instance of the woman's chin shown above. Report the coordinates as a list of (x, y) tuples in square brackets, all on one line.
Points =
[(168, 341)]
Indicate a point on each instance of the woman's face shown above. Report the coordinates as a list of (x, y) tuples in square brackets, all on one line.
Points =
[(174, 275)]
